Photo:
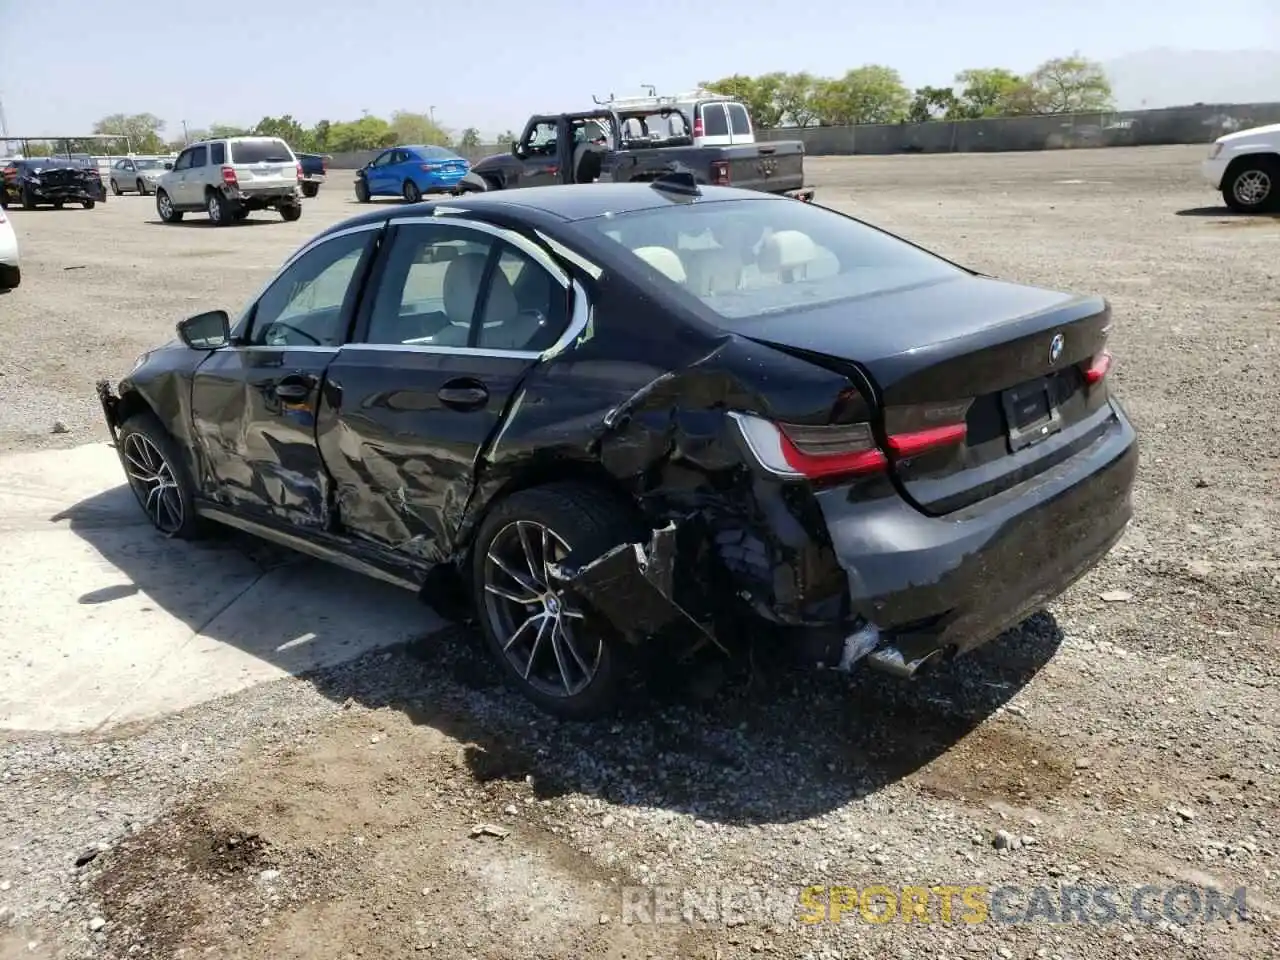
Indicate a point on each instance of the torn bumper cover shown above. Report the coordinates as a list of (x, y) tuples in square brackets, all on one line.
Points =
[(633, 586), (110, 406)]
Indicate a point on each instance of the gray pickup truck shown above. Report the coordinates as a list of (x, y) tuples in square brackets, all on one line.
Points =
[(644, 140)]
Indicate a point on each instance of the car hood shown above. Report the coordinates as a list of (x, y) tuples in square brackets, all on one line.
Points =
[(1268, 132)]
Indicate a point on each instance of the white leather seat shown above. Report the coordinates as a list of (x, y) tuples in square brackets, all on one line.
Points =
[(665, 260)]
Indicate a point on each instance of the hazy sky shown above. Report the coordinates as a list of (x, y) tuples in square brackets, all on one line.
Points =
[(66, 63)]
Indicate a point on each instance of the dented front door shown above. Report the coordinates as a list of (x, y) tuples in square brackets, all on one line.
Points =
[(254, 404)]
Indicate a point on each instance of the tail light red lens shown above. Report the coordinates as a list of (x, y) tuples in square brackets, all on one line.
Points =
[(800, 451), (697, 127), (720, 172), (1098, 368), (229, 176), (299, 166)]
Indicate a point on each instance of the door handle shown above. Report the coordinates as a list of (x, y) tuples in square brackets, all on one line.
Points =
[(294, 389), (464, 394)]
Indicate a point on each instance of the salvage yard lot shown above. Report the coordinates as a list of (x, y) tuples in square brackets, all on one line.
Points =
[(1129, 740)]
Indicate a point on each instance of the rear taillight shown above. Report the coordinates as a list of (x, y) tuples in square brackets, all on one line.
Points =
[(720, 172), (298, 165), (1098, 368), (324, 165), (835, 450), (697, 127), (229, 176)]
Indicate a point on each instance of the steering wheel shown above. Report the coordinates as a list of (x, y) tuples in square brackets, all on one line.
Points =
[(288, 326)]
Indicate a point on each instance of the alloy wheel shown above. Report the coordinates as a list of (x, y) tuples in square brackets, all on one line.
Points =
[(544, 638), (1252, 187), (215, 207), (154, 483), (165, 205)]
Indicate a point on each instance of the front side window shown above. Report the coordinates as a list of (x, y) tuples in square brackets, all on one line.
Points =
[(183, 161), (542, 138), (383, 159), (307, 305), (450, 286), (751, 258), (199, 156)]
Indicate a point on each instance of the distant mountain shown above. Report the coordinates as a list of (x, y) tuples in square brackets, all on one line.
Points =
[(1174, 78)]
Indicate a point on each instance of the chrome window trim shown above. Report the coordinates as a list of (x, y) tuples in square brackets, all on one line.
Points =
[(578, 320), (521, 243)]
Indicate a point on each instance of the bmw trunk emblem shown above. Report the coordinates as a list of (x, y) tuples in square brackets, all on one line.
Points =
[(1055, 347)]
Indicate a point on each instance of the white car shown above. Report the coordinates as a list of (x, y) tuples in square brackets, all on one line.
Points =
[(10, 273), (1245, 166)]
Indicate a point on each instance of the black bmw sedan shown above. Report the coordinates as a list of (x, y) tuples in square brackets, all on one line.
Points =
[(606, 418)]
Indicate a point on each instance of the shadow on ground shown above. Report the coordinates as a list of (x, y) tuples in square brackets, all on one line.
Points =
[(767, 746), (202, 220)]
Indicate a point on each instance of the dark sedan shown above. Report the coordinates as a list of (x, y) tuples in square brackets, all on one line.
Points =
[(53, 181), (612, 419)]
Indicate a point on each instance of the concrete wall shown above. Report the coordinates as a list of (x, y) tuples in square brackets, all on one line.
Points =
[(1200, 124)]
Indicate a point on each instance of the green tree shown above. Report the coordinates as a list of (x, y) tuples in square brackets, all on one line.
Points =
[(1070, 85), (287, 129), (869, 94), (367, 133), (320, 136), (142, 129), (507, 137), (470, 138), (991, 92), (219, 130), (932, 103), (795, 98), (418, 128)]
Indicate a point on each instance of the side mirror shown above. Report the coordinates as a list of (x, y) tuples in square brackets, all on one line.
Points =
[(206, 331), (517, 150), (168, 165)]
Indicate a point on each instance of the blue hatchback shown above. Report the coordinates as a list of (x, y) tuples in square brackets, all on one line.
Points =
[(410, 172)]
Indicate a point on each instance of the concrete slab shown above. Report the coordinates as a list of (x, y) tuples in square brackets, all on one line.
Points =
[(106, 622)]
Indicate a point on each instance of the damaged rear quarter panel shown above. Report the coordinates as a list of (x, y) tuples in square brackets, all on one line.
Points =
[(617, 410)]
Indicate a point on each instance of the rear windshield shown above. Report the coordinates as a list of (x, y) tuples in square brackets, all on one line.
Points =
[(149, 164), (713, 120), (257, 151), (738, 119), (751, 258), (437, 153)]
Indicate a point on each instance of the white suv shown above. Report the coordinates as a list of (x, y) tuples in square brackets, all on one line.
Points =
[(1245, 166), (229, 179)]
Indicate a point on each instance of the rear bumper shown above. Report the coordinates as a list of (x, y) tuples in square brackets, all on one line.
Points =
[(264, 194), (926, 584)]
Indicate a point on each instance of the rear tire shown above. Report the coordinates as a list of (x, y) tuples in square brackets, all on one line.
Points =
[(579, 664), (1254, 186), (28, 201), (88, 204), (242, 214), (10, 276), (164, 208), (221, 211), (411, 192), (158, 477), (291, 211), (362, 190), (310, 189)]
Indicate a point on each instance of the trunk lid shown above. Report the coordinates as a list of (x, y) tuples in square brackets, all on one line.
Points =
[(1009, 361)]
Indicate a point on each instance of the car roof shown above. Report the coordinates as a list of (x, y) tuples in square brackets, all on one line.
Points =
[(563, 203)]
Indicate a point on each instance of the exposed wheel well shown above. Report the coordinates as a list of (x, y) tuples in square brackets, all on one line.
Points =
[(1248, 160), (131, 404)]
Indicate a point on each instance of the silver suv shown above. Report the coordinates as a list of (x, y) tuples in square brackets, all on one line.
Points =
[(229, 179)]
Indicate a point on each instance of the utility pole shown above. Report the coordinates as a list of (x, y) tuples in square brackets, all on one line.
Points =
[(432, 108), (185, 138), (4, 126)]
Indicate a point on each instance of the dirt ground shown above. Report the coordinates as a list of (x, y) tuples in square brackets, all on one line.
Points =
[(407, 804)]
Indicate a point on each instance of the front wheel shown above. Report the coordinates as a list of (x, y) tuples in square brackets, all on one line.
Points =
[(565, 660), (411, 192), (362, 191), (142, 188), (158, 477), (164, 207), (87, 204), (310, 189), (291, 211), (28, 201), (115, 188), (1254, 186)]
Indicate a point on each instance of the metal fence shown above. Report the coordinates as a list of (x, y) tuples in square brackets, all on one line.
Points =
[(1136, 128)]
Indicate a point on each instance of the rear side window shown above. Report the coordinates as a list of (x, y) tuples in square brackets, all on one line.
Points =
[(218, 153), (751, 258), (738, 119), (260, 151), (714, 123)]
